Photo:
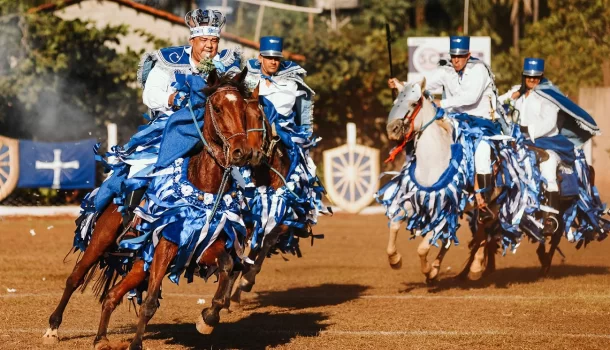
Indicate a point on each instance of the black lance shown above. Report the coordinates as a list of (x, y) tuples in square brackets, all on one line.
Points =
[(388, 36)]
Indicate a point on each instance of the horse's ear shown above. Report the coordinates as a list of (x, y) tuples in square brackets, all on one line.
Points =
[(239, 78), (255, 92), (423, 85), (212, 78)]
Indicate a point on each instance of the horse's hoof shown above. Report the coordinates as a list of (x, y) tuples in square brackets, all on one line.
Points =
[(431, 282), (433, 274), (50, 337), (235, 307), (137, 346), (102, 345), (395, 261), (475, 275), (202, 327), (245, 285)]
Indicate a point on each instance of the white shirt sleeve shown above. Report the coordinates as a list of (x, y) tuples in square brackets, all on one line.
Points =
[(435, 81), (508, 95), (546, 120), (471, 89), (157, 89)]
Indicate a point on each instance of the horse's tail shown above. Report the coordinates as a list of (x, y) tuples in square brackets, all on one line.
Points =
[(105, 276)]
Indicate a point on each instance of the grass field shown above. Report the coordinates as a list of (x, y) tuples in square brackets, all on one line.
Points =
[(341, 295)]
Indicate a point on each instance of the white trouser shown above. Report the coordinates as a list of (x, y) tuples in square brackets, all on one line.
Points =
[(548, 170), (482, 158)]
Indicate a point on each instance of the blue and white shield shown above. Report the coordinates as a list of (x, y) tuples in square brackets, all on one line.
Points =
[(350, 174), (9, 165)]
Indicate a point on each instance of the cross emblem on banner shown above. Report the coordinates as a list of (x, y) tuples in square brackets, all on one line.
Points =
[(57, 166)]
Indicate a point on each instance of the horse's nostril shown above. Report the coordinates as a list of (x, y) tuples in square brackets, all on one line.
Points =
[(237, 154)]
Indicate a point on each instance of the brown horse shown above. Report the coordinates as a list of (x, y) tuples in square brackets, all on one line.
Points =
[(268, 153), (108, 225), (206, 175)]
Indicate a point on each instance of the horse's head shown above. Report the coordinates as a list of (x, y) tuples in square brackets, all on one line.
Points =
[(258, 129), (404, 118), (225, 118)]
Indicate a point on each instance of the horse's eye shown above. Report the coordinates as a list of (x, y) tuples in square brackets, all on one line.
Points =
[(216, 109), (413, 104)]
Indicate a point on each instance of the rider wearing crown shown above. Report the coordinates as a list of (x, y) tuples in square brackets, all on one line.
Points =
[(469, 89), (163, 74), (537, 103)]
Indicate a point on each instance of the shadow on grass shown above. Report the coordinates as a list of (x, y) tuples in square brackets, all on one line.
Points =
[(310, 297), (503, 278), (257, 331)]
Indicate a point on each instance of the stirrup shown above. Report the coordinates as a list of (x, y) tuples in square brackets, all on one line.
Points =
[(129, 230), (551, 225), (485, 214)]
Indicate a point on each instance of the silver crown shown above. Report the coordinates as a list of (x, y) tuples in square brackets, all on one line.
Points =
[(205, 18)]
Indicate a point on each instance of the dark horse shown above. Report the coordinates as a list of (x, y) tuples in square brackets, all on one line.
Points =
[(270, 167), (227, 146)]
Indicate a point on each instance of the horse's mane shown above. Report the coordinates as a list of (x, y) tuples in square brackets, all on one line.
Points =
[(226, 80)]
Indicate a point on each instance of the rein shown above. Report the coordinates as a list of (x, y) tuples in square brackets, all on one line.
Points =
[(225, 146), (268, 147)]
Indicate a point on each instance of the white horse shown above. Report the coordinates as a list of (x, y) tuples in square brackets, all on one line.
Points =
[(434, 138)]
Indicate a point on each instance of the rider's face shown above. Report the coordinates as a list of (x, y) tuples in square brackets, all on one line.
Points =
[(532, 82), (269, 64), (204, 46), (459, 61)]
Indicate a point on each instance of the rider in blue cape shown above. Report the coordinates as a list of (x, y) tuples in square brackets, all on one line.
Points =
[(163, 76), (469, 95), (553, 123), (287, 103)]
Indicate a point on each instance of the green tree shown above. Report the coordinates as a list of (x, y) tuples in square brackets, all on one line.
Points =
[(60, 80), (573, 40)]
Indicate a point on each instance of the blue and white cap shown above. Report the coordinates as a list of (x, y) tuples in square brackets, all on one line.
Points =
[(459, 45), (205, 22), (271, 46), (533, 67)]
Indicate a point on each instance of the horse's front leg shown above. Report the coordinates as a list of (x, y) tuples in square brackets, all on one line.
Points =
[(210, 317), (394, 257), (133, 279), (103, 236), (236, 298), (478, 254), (431, 271), (546, 257), (248, 278), (165, 252)]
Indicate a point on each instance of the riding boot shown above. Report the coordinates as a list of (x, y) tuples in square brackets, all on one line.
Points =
[(551, 220), (132, 201), (486, 187)]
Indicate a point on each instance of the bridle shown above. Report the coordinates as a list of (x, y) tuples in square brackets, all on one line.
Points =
[(410, 133), (262, 129), (267, 147), (224, 139), (225, 145)]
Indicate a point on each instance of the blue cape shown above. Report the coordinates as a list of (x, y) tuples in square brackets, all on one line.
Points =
[(577, 125), (180, 134)]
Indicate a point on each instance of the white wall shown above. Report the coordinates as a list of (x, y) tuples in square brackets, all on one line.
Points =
[(105, 13)]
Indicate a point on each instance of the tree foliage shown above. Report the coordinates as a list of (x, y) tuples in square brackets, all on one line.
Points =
[(573, 40), (61, 80)]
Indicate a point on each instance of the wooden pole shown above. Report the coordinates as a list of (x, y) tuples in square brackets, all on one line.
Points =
[(259, 23), (466, 5)]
